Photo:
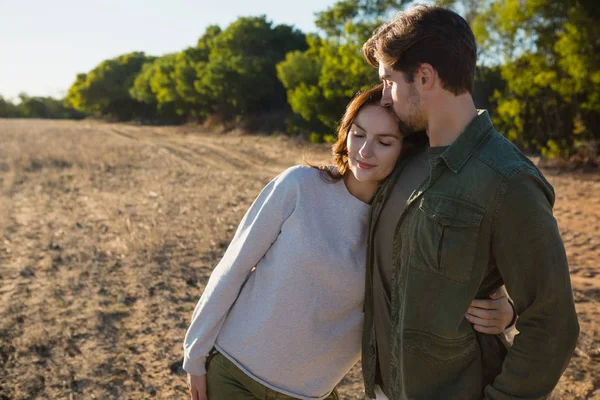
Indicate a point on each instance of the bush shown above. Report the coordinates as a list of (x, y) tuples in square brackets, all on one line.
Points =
[(331, 139), (315, 137)]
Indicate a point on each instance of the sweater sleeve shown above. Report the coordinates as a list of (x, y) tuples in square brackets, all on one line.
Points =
[(256, 233)]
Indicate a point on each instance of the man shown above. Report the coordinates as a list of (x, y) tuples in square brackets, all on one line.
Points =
[(469, 214)]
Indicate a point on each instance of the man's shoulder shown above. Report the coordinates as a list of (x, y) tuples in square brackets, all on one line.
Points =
[(503, 158), (510, 165)]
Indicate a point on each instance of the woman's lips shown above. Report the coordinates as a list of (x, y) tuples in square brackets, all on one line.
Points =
[(364, 165)]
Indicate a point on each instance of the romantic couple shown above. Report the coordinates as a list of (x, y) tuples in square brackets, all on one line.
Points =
[(397, 252)]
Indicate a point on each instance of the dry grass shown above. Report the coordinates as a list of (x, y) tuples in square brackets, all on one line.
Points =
[(108, 234)]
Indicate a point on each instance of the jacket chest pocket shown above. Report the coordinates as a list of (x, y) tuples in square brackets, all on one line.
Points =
[(446, 236)]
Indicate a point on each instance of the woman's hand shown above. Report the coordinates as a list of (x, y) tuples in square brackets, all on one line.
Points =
[(197, 387), (491, 316)]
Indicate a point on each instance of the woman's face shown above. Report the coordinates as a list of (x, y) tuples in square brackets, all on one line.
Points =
[(374, 144)]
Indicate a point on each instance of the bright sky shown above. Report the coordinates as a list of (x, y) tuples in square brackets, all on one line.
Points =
[(44, 44)]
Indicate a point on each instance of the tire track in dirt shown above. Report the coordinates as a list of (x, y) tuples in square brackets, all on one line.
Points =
[(201, 151), (207, 157), (181, 153), (230, 156)]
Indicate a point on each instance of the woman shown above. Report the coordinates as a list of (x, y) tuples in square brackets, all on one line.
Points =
[(281, 316)]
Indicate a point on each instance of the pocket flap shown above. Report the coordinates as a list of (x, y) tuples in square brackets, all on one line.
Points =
[(452, 212)]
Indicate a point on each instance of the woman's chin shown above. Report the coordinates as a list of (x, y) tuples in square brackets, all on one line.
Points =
[(365, 177)]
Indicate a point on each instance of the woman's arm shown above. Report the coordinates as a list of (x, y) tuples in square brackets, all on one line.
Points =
[(256, 233)]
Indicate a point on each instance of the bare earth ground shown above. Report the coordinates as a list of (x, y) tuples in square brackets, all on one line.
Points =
[(108, 234)]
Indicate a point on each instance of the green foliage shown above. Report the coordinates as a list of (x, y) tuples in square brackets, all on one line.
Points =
[(551, 67), (299, 68), (488, 81), (355, 20), (157, 86), (330, 139), (322, 80), (37, 107), (315, 137), (206, 41), (104, 91), (230, 73), (240, 75), (190, 103), (167, 84), (8, 109)]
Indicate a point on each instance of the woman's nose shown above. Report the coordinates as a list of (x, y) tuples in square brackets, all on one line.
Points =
[(366, 150)]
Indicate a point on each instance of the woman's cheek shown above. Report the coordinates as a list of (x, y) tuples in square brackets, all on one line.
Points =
[(391, 157), (391, 160)]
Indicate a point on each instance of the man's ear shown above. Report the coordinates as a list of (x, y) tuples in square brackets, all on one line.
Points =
[(426, 76)]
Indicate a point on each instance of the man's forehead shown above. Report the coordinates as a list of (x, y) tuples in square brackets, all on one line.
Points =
[(384, 72)]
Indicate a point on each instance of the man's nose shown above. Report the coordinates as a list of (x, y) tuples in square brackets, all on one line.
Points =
[(386, 98)]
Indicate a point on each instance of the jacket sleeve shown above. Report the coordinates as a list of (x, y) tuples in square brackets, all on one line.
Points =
[(256, 233), (531, 258)]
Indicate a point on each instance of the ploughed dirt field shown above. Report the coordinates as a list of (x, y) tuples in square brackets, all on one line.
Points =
[(109, 232)]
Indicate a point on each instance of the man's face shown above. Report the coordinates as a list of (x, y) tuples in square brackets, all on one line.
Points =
[(403, 97)]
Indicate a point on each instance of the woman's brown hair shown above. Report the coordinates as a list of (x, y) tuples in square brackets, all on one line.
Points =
[(339, 150)]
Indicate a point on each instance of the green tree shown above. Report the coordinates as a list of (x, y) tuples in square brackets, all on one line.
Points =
[(239, 76), (355, 20), (104, 91), (190, 103), (230, 73), (551, 66), (156, 86), (45, 107), (321, 81), (8, 109)]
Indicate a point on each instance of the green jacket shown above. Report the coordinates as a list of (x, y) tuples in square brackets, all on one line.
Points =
[(483, 218)]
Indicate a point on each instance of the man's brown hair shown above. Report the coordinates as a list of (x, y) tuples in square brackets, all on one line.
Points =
[(427, 34)]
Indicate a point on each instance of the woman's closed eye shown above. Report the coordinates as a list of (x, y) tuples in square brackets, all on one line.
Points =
[(362, 135)]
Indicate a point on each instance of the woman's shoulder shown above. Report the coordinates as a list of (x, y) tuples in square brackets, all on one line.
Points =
[(299, 174), (301, 178)]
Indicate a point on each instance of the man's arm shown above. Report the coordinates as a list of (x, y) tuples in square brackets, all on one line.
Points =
[(531, 258)]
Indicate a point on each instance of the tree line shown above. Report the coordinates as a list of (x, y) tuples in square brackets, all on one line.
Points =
[(38, 107), (539, 74)]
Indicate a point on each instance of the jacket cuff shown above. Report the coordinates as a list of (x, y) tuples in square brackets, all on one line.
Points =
[(512, 324), (510, 332)]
